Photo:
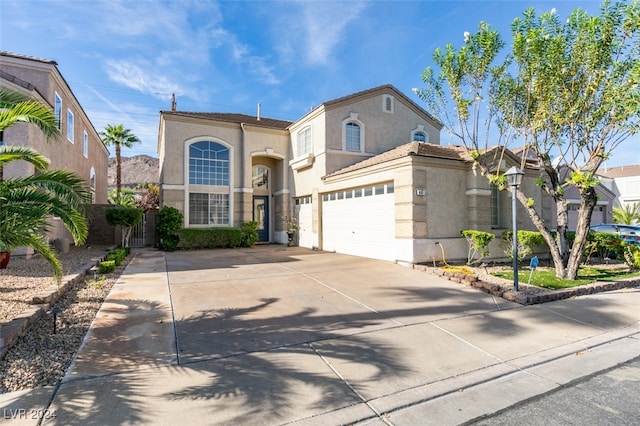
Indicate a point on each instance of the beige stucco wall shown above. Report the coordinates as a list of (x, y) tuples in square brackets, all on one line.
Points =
[(248, 145), (61, 153)]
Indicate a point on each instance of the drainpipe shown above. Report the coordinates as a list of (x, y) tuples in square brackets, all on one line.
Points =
[(242, 167)]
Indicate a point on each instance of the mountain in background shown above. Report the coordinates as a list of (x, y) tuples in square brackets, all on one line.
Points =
[(135, 170)]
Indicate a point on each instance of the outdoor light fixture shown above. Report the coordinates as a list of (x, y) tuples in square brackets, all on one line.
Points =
[(514, 179)]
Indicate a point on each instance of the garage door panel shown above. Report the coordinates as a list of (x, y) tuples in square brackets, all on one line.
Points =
[(362, 226)]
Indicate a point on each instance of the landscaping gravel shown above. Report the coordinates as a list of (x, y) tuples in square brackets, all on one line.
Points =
[(41, 357)]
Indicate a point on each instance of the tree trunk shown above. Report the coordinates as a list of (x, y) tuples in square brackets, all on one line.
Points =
[(588, 200), (118, 173)]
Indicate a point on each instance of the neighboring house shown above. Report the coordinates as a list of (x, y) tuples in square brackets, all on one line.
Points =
[(602, 211), (363, 174), (624, 182), (79, 148)]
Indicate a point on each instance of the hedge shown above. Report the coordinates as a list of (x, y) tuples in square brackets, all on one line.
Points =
[(206, 238)]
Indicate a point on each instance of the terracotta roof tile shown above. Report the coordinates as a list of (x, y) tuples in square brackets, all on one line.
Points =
[(622, 171), (30, 58), (234, 118), (451, 152)]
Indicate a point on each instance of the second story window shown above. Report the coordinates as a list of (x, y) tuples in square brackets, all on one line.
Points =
[(419, 137), (352, 137), (353, 133), (57, 111), (70, 126), (85, 144), (304, 141)]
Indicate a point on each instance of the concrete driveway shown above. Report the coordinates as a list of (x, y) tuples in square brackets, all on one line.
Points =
[(277, 335)]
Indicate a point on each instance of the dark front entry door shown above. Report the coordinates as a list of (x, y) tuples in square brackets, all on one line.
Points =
[(261, 215)]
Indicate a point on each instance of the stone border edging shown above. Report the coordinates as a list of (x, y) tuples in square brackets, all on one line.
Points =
[(541, 295), (11, 331)]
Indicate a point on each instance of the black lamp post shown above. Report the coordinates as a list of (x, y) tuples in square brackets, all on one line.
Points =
[(514, 179)]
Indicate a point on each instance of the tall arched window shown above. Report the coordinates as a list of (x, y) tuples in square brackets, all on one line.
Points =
[(353, 137), (209, 184), (353, 133)]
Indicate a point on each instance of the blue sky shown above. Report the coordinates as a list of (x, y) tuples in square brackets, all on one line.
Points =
[(124, 59)]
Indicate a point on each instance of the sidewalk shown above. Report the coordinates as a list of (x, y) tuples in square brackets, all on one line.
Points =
[(276, 335)]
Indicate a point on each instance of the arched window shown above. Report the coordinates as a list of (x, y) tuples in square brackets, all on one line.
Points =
[(419, 137), (209, 166), (419, 134), (352, 137), (353, 133)]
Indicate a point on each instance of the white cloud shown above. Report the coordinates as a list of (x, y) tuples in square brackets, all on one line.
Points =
[(326, 24), (142, 80)]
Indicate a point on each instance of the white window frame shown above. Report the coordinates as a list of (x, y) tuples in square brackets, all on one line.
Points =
[(57, 110), (353, 118), (85, 144), (92, 184), (304, 141), (70, 126), (420, 129), (388, 104), (207, 189)]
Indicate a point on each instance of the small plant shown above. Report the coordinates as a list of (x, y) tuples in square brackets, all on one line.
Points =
[(107, 266), (527, 243), (249, 234), (478, 242), (127, 217), (290, 223), (96, 282)]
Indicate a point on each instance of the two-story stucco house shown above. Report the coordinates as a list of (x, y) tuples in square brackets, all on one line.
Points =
[(363, 174), (79, 148), (624, 182)]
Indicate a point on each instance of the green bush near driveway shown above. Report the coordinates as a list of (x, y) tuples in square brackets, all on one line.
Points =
[(207, 238)]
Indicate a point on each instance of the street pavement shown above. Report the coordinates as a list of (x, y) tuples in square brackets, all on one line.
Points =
[(276, 335), (607, 398)]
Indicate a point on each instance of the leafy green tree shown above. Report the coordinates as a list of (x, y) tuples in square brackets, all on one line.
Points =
[(627, 214), (118, 136), (570, 88)]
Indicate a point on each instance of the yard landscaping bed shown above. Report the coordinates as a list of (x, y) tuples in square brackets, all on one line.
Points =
[(41, 357), (485, 280)]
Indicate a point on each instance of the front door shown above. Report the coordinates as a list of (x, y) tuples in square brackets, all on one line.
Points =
[(261, 215)]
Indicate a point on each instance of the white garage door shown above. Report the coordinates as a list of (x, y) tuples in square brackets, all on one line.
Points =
[(306, 237), (360, 222)]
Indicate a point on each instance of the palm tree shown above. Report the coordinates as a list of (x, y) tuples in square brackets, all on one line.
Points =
[(627, 214), (119, 136), (16, 107), (27, 202)]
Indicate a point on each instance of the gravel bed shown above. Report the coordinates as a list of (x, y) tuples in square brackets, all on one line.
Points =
[(41, 358)]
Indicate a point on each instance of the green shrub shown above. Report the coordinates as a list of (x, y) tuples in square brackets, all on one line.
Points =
[(249, 234), (202, 238), (118, 255), (106, 266), (168, 226), (478, 242), (527, 242)]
